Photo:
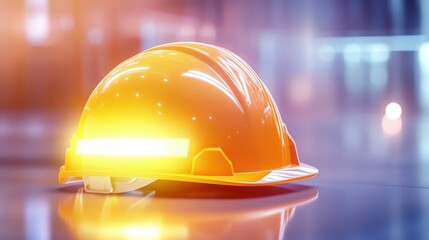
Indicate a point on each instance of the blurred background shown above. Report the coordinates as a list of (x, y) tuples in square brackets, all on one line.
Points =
[(350, 77), (332, 67)]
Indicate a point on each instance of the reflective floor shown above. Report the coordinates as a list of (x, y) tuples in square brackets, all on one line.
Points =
[(40, 209), (33, 206), (362, 192)]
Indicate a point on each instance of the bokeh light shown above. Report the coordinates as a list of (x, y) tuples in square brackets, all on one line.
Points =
[(352, 53), (393, 111), (379, 52)]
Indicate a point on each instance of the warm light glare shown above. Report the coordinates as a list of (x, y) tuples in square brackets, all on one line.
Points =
[(142, 232), (393, 111), (36, 21), (391, 126), (134, 147)]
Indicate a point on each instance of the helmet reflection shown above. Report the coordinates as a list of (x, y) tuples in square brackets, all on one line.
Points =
[(185, 211)]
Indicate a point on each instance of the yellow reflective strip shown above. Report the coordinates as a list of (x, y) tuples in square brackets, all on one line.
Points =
[(154, 147)]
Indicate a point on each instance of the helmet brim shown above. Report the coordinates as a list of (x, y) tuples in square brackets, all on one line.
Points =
[(261, 178)]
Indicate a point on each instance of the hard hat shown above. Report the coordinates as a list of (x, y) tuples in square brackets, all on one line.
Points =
[(184, 112), (153, 213)]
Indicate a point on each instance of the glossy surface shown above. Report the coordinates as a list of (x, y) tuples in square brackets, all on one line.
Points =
[(163, 210), (186, 213), (337, 206), (201, 93)]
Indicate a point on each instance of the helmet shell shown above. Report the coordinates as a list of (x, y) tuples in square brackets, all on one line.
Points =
[(192, 91)]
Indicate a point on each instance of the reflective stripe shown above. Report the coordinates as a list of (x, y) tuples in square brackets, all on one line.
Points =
[(154, 147)]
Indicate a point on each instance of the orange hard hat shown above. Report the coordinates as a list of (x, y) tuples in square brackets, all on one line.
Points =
[(185, 112)]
